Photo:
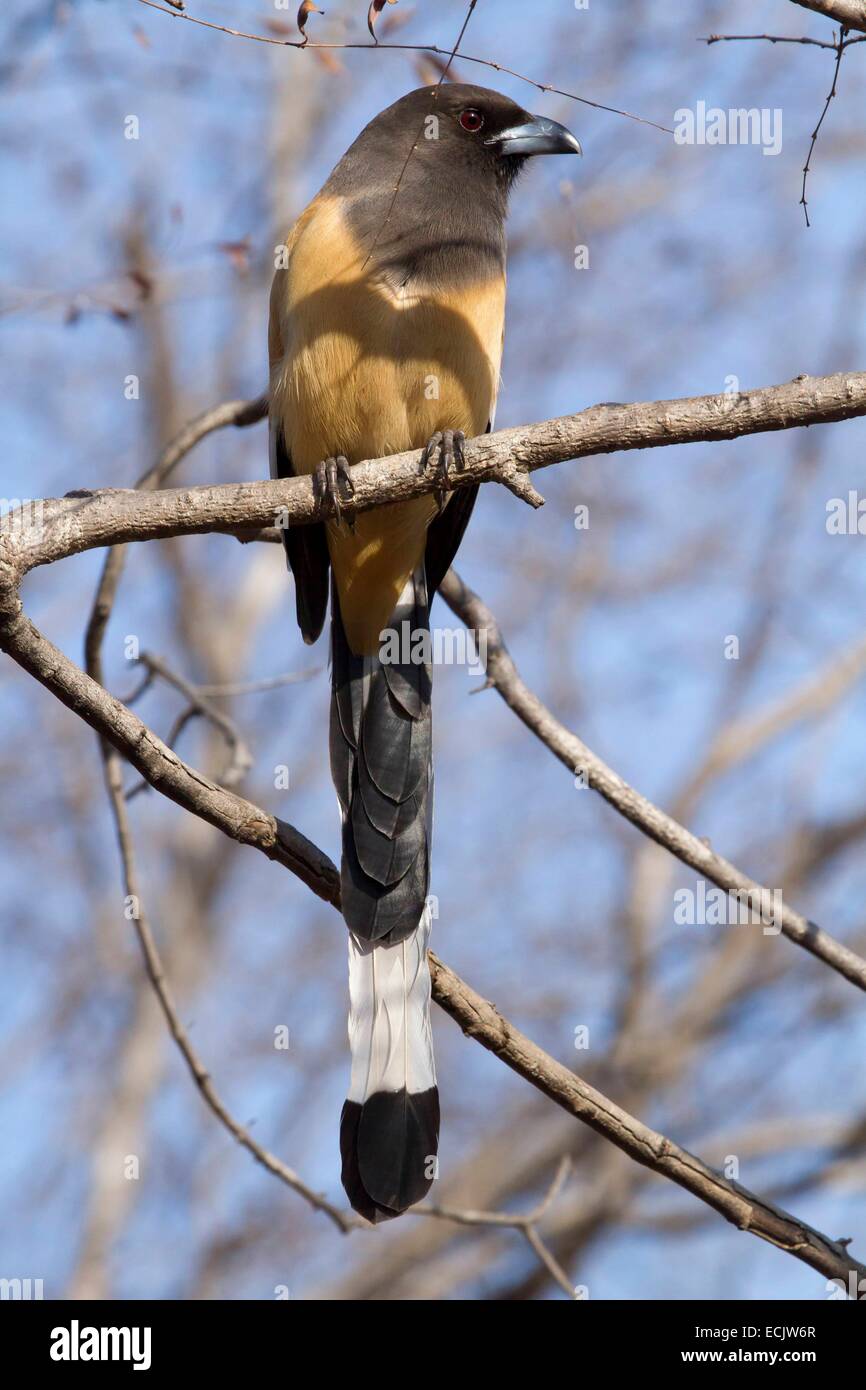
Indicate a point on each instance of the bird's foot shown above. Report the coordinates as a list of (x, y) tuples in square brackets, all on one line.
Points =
[(327, 477), (448, 446)]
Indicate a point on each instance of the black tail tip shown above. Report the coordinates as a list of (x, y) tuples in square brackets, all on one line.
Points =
[(389, 1150)]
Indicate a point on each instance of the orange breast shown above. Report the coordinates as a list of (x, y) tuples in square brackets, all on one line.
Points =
[(363, 369)]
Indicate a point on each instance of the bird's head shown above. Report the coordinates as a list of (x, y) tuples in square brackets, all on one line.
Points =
[(479, 126), (457, 129)]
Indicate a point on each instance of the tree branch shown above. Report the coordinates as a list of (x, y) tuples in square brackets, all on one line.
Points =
[(840, 52), (83, 521), (573, 752), (526, 1224), (250, 825), (240, 758), (849, 13), (377, 46), (156, 974), (161, 766), (480, 1020), (780, 38)]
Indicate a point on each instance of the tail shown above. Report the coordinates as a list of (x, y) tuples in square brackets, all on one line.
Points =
[(382, 769)]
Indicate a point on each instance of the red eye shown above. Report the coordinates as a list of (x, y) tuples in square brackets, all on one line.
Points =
[(471, 120)]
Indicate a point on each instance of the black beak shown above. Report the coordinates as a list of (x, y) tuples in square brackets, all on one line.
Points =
[(538, 135)]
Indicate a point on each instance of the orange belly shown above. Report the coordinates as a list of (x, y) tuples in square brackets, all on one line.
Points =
[(367, 370)]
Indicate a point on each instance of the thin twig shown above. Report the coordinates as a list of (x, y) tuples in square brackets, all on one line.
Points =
[(421, 129), (266, 683), (237, 413), (526, 1223), (840, 49), (512, 1220), (411, 48), (156, 974), (550, 1262), (779, 38), (240, 757)]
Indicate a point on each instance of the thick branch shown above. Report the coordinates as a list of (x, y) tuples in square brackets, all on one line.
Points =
[(82, 522), (851, 14)]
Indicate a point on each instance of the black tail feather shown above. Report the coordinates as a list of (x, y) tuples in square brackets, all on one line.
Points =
[(388, 1146), (381, 765)]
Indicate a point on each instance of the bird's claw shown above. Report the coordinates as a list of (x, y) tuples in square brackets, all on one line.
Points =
[(327, 477), (449, 446)]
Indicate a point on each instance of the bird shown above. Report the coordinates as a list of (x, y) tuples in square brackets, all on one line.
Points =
[(386, 332)]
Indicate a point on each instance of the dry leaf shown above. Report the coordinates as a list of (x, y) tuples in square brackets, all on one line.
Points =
[(393, 22), (142, 282), (431, 69), (278, 27), (373, 13), (328, 61), (140, 36), (238, 253), (307, 8)]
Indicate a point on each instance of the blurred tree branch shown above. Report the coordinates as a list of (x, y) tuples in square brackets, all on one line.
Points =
[(527, 1224)]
